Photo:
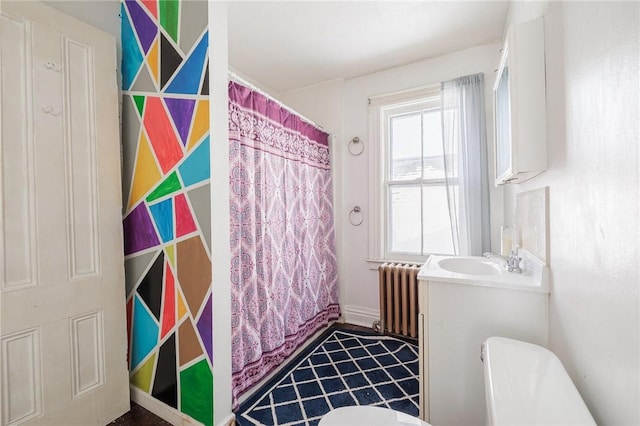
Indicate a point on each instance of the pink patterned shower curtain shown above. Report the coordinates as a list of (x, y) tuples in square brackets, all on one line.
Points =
[(283, 259)]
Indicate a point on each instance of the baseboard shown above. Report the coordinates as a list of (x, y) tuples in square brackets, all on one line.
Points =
[(360, 315), (162, 410), (230, 420)]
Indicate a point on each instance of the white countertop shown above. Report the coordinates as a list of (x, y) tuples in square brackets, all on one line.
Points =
[(535, 277)]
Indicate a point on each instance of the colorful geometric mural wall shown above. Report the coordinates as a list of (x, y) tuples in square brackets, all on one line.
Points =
[(167, 203)]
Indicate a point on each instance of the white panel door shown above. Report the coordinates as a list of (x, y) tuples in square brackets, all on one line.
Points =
[(62, 330)]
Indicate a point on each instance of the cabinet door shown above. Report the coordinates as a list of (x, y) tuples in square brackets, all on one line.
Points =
[(461, 317), (519, 105), (502, 102)]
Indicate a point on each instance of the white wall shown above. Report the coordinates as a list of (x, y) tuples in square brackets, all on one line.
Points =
[(358, 278), (321, 103), (102, 14), (593, 132), (220, 248)]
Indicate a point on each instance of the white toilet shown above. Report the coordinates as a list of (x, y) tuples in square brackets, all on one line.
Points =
[(525, 384), (362, 415)]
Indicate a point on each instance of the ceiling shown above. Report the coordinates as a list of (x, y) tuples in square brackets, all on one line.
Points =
[(290, 45)]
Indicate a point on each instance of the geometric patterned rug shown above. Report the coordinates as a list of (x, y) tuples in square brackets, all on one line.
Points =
[(341, 368)]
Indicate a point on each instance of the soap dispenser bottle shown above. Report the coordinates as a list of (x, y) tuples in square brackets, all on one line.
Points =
[(507, 240)]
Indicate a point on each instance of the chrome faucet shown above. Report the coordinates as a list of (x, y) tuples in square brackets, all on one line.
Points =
[(512, 262)]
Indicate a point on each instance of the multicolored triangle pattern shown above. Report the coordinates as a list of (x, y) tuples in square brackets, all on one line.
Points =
[(168, 259)]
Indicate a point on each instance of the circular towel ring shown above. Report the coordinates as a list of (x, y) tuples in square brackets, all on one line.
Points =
[(353, 144), (353, 216)]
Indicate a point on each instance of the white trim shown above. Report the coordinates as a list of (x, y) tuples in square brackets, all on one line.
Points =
[(220, 246), (228, 421), (360, 315), (405, 95), (374, 264), (376, 226), (160, 409)]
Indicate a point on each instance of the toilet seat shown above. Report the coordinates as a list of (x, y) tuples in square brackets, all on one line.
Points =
[(368, 416)]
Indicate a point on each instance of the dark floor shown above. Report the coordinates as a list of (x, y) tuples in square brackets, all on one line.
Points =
[(140, 417), (353, 327), (346, 365)]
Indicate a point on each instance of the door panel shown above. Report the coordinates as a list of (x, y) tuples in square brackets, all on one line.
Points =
[(80, 148), (22, 381), (18, 265), (62, 328)]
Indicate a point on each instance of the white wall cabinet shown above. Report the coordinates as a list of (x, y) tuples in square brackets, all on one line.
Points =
[(519, 101)]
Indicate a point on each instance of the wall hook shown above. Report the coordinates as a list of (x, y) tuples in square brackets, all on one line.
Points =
[(52, 66), (50, 110)]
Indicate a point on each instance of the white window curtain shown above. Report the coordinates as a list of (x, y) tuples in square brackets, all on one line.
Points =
[(465, 153)]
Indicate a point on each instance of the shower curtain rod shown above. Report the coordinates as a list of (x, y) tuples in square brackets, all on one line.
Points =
[(238, 79)]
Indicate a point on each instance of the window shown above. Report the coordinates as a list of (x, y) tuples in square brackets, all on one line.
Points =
[(414, 207)]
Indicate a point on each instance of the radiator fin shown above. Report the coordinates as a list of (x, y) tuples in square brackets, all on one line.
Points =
[(399, 298)]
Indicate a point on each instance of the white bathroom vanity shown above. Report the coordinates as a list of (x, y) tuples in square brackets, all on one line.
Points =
[(463, 301)]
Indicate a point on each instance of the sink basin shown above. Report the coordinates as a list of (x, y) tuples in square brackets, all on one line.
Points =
[(470, 266), (481, 271)]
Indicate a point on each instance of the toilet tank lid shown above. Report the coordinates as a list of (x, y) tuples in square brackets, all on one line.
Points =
[(527, 384)]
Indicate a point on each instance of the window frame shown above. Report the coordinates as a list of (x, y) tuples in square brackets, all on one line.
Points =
[(381, 110)]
